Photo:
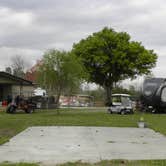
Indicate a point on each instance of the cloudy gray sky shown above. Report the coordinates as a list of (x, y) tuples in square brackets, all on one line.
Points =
[(30, 27)]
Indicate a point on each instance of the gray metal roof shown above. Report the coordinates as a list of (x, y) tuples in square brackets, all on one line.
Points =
[(19, 80)]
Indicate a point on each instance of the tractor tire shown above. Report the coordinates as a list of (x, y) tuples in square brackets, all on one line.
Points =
[(11, 110), (8, 110)]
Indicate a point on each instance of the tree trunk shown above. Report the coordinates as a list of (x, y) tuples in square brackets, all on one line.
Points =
[(108, 90), (57, 102), (57, 99)]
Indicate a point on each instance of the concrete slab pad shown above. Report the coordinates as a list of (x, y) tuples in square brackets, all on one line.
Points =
[(89, 144)]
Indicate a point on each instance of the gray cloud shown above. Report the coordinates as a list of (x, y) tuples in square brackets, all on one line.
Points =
[(30, 27)]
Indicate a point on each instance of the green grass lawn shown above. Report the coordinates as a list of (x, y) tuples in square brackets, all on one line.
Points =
[(11, 124), (18, 164), (119, 163), (102, 163)]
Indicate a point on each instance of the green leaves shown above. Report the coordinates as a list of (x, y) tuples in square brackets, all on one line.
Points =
[(110, 56), (112, 52), (60, 72)]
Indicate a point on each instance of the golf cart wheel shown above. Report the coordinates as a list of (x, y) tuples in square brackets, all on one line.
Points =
[(123, 112), (109, 111)]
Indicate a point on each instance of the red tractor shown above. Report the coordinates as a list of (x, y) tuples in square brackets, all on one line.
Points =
[(21, 103)]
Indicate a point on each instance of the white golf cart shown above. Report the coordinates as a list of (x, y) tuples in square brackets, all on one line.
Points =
[(121, 104)]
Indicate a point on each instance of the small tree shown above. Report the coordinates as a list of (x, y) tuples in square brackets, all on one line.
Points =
[(18, 66), (8, 70), (111, 56), (60, 72)]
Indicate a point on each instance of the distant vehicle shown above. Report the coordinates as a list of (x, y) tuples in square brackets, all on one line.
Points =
[(40, 101), (153, 97), (121, 104), (39, 92), (44, 102)]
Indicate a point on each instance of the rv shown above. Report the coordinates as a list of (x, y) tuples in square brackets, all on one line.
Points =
[(153, 96)]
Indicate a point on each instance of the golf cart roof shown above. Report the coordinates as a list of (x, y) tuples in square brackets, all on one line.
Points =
[(118, 94)]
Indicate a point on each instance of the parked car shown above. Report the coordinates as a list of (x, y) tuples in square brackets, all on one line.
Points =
[(121, 104)]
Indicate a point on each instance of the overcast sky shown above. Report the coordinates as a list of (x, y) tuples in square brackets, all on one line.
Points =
[(30, 27)]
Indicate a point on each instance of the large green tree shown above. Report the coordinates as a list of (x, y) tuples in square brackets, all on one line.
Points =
[(60, 72), (111, 56)]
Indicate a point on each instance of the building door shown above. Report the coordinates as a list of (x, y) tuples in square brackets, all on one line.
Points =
[(1, 93)]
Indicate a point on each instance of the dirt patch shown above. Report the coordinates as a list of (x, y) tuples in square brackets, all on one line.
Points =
[(7, 132)]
